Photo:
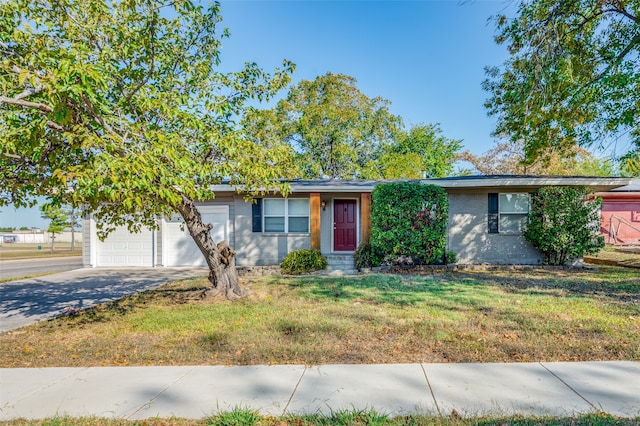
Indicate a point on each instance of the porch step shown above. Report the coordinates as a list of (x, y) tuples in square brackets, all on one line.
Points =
[(340, 264)]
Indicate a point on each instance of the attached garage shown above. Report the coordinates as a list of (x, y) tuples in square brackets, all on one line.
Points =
[(179, 249), (123, 248), (169, 245)]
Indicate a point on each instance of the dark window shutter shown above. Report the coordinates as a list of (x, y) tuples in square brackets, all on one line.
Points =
[(256, 215), (493, 213)]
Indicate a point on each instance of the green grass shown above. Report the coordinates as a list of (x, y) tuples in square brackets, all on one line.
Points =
[(23, 277), (497, 316), (247, 417), (30, 251)]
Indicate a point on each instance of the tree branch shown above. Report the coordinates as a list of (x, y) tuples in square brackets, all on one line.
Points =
[(27, 104), (17, 157), (635, 41), (97, 116), (623, 11), (55, 126)]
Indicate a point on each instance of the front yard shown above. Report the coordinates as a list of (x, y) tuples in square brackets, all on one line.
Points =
[(497, 316)]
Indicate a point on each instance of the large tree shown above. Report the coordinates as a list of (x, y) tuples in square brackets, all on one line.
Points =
[(119, 107), (339, 132), (573, 75), (333, 126)]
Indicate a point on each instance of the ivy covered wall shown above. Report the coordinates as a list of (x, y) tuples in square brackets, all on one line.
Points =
[(408, 223)]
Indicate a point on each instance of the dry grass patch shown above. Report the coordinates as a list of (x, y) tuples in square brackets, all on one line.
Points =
[(440, 317), (623, 256)]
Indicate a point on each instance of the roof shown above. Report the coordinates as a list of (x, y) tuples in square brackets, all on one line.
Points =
[(623, 193), (598, 184), (634, 186)]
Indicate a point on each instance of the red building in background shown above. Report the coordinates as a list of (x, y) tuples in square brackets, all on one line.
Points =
[(620, 217)]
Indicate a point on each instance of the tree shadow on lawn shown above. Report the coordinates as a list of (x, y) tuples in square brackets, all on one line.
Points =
[(471, 287), (104, 311), (452, 291), (394, 289), (608, 283)]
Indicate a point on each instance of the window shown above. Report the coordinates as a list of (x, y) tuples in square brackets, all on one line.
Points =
[(508, 213), (286, 215)]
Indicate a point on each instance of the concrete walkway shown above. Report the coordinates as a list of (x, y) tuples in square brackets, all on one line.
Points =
[(558, 389)]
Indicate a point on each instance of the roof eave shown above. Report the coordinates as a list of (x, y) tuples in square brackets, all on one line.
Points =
[(597, 184)]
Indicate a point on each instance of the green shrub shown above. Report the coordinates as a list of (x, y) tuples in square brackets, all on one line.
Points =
[(408, 223), (362, 256), (451, 258), (564, 224), (301, 261)]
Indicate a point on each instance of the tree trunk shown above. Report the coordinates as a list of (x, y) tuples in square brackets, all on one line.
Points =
[(220, 257)]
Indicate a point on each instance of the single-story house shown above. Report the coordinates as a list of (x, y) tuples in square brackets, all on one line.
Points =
[(620, 220), (486, 218)]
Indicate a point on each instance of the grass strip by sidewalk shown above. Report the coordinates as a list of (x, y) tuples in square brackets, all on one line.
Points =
[(240, 417), (24, 277), (37, 254), (470, 316)]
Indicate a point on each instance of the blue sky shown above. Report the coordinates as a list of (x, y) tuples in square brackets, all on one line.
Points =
[(426, 57)]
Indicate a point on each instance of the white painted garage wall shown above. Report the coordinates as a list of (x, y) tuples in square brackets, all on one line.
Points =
[(179, 249), (123, 248)]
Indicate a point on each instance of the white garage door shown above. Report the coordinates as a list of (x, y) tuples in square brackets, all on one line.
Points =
[(179, 249), (123, 248)]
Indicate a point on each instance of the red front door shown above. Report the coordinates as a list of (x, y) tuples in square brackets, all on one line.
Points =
[(345, 225)]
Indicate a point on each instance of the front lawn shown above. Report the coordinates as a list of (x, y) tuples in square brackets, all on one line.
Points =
[(474, 316)]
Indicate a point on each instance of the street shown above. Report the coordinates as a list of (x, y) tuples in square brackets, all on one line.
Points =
[(25, 267)]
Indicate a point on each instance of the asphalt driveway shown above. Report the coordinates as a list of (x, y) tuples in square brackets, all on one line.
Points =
[(26, 301)]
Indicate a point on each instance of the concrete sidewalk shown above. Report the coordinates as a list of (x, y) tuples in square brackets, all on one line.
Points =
[(558, 389)]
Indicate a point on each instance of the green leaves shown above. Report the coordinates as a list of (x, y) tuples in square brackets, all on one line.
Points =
[(334, 127), (339, 132), (408, 223), (58, 219), (121, 104), (303, 261), (564, 224), (424, 149), (572, 77)]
